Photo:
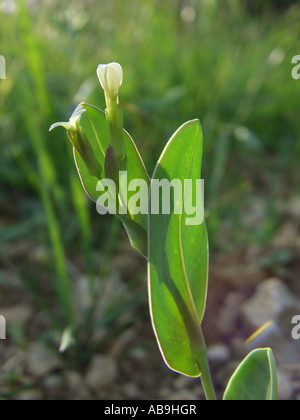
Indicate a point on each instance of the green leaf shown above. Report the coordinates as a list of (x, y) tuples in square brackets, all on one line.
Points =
[(255, 379), (178, 258), (94, 123)]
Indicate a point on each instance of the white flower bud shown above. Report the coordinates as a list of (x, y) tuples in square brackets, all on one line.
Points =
[(111, 78)]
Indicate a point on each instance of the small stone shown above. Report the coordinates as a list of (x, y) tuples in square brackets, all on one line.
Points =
[(255, 214), (138, 354), (182, 382), (271, 298), (82, 294), (14, 361), (164, 392), (53, 386), (218, 353), (285, 387), (293, 208), (230, 313), (287, 237), (30, 395), (131, 391), (41, 361), (102, 372), (75, 387), (183, 395), (123, 340), (19, 314)]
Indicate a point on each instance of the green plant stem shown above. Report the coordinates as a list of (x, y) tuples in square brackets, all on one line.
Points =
[(114, 117), (198, 347), (207, 381), (204, 367)]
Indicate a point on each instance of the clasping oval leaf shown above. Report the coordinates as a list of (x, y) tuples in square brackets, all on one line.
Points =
[(255, 379), (178, 256)]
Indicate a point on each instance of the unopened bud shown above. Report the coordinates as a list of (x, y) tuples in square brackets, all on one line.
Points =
[(111, 78)]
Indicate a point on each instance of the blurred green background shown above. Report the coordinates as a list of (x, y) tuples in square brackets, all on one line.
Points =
[(226, 62)]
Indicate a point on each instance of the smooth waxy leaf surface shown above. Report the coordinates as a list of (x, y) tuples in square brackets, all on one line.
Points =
[(94, 123), (255, 379), (178, 256)]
